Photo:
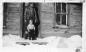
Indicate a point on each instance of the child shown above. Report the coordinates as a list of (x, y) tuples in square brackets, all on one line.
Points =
[(31, 30)]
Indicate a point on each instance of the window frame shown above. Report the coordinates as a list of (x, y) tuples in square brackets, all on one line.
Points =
[(61, 13)]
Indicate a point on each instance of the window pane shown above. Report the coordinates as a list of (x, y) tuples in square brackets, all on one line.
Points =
[(58, 8), (58, 19), (64, 19), (64, 7)]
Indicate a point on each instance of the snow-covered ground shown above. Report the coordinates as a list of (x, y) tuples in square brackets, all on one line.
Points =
[(52, 41)]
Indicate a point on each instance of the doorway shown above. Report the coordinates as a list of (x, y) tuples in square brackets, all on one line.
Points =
[(30, 13)]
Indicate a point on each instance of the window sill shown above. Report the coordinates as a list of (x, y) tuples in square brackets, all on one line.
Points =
[(60, 27)]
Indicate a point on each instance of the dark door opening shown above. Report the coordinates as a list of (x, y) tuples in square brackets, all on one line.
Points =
[(30, 13)]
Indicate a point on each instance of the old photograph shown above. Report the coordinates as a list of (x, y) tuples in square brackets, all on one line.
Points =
[(35, 24)]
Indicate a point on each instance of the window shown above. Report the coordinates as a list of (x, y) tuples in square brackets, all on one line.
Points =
[(61, 13)]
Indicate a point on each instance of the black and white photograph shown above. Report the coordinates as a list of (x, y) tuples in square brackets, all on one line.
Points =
[(42, 25)]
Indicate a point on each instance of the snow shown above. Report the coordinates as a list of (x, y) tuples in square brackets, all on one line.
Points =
[(74, 41), (52, 41)]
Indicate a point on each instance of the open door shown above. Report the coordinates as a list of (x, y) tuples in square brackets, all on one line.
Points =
[(30, 10)]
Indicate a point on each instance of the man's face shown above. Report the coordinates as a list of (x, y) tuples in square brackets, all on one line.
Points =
[(31, 5)]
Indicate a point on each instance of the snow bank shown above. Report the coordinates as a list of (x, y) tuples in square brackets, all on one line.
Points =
[(71, 42), (10, 40), (53, 41), (74, 41)]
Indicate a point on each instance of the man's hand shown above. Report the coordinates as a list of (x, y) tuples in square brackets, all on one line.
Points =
[(26, 32)]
